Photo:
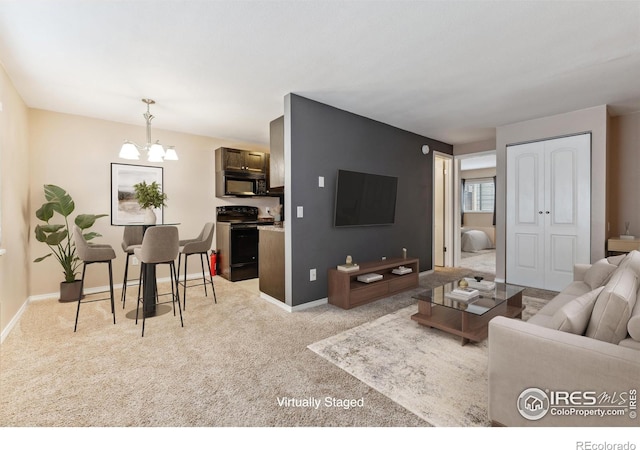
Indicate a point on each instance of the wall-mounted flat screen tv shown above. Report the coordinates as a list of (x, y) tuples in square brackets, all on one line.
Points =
[(364, 199)]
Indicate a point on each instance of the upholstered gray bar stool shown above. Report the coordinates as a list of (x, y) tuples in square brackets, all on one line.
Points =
[(90, 254), (159, 246), (131, 238), (197, 246)]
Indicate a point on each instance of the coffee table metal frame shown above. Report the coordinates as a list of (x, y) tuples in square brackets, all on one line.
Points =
[(469, 320)]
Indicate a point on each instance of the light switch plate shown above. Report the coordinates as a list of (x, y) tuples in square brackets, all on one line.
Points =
[(299, 212), (320, 181)]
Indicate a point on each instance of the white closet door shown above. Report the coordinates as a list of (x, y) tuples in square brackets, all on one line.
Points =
[(567, 208), (548, 211), (525, 222)]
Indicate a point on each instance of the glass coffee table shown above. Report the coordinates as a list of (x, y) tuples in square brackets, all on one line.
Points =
[(467, 319)]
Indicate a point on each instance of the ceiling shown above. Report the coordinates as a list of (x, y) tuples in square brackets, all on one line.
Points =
[(451, 70)]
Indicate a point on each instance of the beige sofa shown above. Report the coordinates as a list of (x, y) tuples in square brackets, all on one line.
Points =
[(577, 361)]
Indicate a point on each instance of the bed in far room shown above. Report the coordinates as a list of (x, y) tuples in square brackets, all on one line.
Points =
[(475, 239)]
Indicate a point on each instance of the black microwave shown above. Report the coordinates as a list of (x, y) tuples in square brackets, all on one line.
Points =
[(240, 185)]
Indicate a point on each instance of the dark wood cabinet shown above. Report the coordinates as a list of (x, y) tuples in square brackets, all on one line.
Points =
[(347, 292), (235, 160), (271, 262)]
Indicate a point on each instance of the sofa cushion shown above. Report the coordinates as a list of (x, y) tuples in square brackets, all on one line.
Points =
[(598, 274), (576, 289), (574, 316), (632, 261), (613, 307), (542, 320), (554, 305), (616, 260), (633, 327)]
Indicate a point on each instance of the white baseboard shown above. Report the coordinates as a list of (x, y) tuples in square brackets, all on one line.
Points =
[(13, 322), (288, 308)]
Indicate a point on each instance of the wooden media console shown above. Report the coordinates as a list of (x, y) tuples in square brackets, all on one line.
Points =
[(347, 292)]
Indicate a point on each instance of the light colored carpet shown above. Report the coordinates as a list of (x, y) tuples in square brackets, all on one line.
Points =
[(425, 370), (227, 367), (482, 261)]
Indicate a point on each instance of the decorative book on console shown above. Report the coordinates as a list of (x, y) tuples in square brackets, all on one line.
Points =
[(402, 270), (348, 267), (370, 277)]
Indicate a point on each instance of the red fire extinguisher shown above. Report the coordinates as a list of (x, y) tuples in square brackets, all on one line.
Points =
[(213, 263)]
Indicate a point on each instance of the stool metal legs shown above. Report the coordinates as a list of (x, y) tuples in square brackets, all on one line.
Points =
[(113, 310), (175, 293), (204, 283)]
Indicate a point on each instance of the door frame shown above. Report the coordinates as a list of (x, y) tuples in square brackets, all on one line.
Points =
[(448, 208)]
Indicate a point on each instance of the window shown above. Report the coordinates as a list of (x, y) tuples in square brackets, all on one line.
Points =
[(479, 195)]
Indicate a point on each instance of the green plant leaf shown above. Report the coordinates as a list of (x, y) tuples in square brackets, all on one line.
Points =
[(50, 228), (56, 238), (42, 257), (62, 202), (85, 221), (40, 234), (89, 236), (45, 212)]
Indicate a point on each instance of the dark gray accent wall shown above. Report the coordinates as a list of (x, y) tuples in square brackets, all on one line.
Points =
[(325, 139)]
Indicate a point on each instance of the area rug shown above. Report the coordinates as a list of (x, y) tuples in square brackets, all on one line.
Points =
[(424, 370)]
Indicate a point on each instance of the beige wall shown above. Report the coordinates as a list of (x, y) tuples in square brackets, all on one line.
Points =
[(14, 179), (624, 168), (76, 153), (594, 120)]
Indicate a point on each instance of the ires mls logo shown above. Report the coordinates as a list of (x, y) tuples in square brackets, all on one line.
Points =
[(534, 403)]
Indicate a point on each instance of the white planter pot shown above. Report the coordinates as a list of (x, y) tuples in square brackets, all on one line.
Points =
[(149, 217)]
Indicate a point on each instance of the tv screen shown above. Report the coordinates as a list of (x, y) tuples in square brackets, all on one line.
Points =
[(365, 199)]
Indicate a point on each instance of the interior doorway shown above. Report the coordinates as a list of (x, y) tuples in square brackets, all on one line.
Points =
[(474, 229), (442, 210)]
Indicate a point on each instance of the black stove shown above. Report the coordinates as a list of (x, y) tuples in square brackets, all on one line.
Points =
[(241, 214), (237, 241)]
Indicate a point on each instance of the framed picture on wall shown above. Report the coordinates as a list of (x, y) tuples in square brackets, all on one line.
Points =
[(125, 210)]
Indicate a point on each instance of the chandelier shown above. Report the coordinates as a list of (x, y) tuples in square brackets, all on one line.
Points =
[(155, 151)]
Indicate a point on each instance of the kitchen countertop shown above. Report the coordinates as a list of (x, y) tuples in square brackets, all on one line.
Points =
[(279, 228)]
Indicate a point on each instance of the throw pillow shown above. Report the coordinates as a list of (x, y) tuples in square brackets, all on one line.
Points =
[(598, 274), (613, 307), (574, 316)]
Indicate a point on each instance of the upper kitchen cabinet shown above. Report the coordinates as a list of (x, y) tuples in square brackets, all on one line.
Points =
[(246, 161), (276, 160)]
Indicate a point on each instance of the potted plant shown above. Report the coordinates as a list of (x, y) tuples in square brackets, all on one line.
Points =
[(149, 197), (59, 238)]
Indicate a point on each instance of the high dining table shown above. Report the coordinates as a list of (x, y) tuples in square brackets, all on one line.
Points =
[(149, 306)]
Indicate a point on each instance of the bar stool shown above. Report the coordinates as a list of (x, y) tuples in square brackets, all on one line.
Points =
[(131, 238), (197, 246), (159, 246), (91, 254)]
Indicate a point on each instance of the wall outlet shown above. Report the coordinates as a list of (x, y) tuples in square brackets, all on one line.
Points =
[(384, 257), (312, 275), (135, 261)]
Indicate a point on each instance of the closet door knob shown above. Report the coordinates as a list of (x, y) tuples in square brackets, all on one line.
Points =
[(539, 212), (547, 212)]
